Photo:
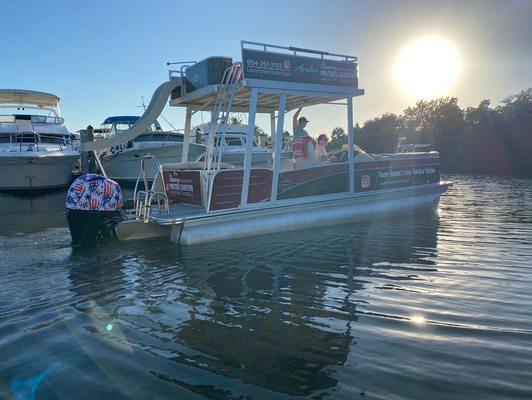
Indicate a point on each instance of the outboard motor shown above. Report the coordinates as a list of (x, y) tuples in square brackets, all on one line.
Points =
[(93, 206)]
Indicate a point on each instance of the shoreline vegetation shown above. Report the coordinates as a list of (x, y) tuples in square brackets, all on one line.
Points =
[(486, 139)]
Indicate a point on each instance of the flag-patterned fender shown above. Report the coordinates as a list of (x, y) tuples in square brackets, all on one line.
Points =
[(92, 192)]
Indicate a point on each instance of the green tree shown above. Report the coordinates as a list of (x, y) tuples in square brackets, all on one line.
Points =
[(380, 135), (338, 139), (515, 113), (481, 139), (439, 122)]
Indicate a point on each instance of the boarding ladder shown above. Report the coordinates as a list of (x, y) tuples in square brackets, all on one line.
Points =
[(143, 199), (220, 115), (25, 134)]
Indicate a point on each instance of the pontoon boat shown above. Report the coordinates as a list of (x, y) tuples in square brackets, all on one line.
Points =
[(209, 201)]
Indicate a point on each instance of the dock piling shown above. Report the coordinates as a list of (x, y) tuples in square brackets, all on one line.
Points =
[(88, 162)]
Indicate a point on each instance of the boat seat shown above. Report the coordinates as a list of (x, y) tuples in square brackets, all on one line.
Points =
[(192, 165)]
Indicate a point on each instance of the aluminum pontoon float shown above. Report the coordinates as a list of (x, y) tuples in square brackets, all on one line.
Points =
[(209, 201)]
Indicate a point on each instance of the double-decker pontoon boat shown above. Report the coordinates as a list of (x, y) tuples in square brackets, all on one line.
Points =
[(214, 200), (36, 151), (121, 162)]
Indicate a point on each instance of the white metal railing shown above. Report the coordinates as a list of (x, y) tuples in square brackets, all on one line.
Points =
[(180, 73), (27, 138), (21, 132), (22, 137), (143, 199), (295, 50)]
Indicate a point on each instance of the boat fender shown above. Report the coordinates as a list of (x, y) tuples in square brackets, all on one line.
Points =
[(93, 207)]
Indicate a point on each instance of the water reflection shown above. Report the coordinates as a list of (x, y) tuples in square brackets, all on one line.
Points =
[(31, 214), (274, 312), (332, 312)]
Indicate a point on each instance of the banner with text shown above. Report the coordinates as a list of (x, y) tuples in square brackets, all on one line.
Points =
[(293, 68)]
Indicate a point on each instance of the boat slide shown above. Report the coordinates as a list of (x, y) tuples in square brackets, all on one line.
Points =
[(154, 109)]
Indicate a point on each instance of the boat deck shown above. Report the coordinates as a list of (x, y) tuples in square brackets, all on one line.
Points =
[(177, 213), (204, 98)]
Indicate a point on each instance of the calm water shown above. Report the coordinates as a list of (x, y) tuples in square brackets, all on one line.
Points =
[(434, 307)]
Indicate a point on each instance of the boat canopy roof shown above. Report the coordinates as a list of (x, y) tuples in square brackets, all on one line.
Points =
[(20, 97), (307, 77), (122, 119), (297, 96)]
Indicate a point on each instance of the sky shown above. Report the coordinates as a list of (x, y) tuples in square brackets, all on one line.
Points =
[(101, 57)]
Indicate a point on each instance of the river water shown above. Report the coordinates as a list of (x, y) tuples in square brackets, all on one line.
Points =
[(433, 307)]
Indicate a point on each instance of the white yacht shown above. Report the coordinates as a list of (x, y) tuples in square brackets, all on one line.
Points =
[(36, 150), (121, 162), (233, 145)]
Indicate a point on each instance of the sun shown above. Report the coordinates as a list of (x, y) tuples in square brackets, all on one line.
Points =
[(427, 68)]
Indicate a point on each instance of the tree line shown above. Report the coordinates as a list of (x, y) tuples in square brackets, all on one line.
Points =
[(484, 139)]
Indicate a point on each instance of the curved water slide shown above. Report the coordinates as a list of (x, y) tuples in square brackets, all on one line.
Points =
[(154, 109)]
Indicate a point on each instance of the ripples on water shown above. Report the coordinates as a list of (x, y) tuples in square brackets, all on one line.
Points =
[(437, 306)]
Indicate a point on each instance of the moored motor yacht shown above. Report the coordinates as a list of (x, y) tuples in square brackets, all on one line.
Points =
[(36, 150), (231, 145), (121, 162), (200, 202)]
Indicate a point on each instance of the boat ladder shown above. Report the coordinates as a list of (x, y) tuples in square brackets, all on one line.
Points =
[(25, 134), (220, 115), (143, 199)]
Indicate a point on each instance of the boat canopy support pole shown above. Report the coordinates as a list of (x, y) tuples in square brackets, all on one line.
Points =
[(350, 144), (272, 127), (249, 147), (186, 135), (278, 147)]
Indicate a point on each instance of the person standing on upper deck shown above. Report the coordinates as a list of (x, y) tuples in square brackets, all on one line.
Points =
[(299, 125), (303, 145)]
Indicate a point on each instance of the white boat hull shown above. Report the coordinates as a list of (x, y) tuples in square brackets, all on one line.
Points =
[(305, 216), (124, 166), (36, 170), (288, 217)]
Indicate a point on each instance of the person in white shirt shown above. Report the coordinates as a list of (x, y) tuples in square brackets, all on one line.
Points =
[(321, 152)]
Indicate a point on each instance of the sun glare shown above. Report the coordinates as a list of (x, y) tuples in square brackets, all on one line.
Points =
[(418, 319), (427, 68)]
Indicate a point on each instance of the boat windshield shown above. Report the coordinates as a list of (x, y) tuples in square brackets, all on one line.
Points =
[(233, 142), (41, 119), (233, 139), (159, 137), (36, 119), (118, 127)]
